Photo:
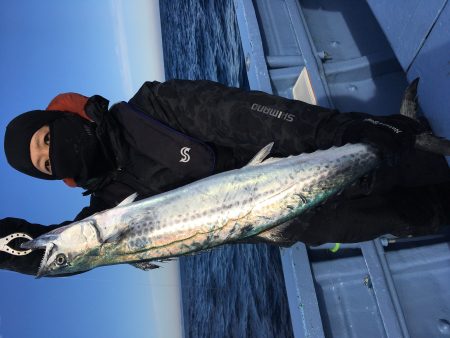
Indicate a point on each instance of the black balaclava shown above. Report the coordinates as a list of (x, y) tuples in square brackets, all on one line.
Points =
[(18, 136), (75, 150)]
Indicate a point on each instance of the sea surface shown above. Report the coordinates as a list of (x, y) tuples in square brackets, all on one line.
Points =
[(235, 290)]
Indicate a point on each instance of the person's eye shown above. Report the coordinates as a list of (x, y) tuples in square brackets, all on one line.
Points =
[(47, 139), (47, 166)]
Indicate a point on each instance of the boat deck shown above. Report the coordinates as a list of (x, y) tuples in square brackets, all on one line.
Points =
[(358, 56)]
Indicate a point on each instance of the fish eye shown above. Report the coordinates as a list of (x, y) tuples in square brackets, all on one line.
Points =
[(61, 259)]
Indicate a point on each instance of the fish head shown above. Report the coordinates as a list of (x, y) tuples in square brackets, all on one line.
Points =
[(69, 249)]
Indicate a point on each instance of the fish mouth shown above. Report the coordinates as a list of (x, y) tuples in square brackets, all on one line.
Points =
[(43, 270), (42, 242)]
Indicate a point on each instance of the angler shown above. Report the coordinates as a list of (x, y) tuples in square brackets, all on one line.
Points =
[(136, 146)]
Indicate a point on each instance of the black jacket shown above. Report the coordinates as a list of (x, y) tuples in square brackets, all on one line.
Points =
[(232, 122), (230, 125)]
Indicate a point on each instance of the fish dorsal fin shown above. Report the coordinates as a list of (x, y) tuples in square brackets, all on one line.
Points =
[(128, 200), (261, 155)]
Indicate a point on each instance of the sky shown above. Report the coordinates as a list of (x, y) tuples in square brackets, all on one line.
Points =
[(105, 47)]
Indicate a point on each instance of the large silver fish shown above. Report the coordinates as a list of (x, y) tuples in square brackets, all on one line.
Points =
[(215, 210)]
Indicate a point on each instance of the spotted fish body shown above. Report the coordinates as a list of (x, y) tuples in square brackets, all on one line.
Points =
[(215, 210)]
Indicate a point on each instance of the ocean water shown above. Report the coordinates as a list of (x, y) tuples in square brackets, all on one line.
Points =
[(235, 290), (201, 41)]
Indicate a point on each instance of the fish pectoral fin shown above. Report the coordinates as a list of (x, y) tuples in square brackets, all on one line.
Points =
[(145, 265), (261, 155), (116, 237)]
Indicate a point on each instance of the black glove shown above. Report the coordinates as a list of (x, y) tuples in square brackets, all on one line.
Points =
[(27, 264), (392, 135)]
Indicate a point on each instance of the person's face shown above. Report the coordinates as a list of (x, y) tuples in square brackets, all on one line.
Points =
[(39, 150)]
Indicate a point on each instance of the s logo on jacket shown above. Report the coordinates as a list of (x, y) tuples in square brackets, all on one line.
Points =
[(185, 154)]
